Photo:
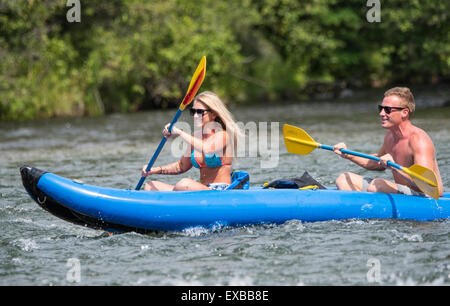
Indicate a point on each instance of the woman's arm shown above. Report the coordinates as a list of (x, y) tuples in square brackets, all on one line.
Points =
[(214, 144), (178, 167)]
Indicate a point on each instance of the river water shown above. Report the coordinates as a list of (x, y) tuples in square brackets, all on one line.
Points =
[(36, 248)]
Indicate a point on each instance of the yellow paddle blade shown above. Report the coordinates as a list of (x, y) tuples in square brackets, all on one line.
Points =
[(196, 82), (425, 179), (297, 141)]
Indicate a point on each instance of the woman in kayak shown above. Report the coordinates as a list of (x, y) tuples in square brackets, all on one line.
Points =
[(211, 149)]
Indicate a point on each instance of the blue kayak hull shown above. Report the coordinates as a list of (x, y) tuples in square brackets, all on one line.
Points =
[(130, 210)]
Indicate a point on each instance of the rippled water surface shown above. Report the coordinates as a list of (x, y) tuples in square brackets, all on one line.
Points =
[(35, 247)]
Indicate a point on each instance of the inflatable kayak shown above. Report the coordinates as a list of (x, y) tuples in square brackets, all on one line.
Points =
[(119, 210)]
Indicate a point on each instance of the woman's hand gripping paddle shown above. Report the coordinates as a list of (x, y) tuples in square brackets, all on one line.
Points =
[(196, 82), (297, 141)]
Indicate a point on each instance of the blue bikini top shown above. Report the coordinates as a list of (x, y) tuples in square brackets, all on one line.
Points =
[(210, 160)]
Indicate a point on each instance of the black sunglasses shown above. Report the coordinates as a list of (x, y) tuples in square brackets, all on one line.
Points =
[(388, 109), (198, 111)]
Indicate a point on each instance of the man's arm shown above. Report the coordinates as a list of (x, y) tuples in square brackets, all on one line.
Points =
[(361, 161), (425, 155), (423, 150)]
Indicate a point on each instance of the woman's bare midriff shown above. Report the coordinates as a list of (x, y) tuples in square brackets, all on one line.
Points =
[(220, 174)]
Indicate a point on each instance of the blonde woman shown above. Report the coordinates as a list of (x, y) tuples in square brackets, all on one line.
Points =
[(211, 148)]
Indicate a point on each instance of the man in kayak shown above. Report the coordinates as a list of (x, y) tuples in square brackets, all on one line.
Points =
[(404, 144), (211, 150)]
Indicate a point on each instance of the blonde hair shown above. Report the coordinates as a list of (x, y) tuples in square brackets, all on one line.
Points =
[(223, 116), (405, 94)]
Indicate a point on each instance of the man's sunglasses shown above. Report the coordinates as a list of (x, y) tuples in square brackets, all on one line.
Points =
[(198, 111), (388, 109)]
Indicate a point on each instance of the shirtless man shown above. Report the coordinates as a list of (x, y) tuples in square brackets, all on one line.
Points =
[(404, 144)]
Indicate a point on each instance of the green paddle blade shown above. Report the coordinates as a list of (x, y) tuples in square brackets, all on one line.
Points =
[(425, 179), (297, 141)]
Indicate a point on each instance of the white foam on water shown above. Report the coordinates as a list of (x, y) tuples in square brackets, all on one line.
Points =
[(241, 281), (407, 237), (196, 231), (145, 247), (411, 282), (26, 245)]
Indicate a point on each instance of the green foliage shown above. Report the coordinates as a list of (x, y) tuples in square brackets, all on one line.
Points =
[(130, 55)]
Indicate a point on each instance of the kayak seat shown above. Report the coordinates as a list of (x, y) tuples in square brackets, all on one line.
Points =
[(239, 180)]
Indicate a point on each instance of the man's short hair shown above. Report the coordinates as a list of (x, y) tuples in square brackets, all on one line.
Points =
[(406, 95)]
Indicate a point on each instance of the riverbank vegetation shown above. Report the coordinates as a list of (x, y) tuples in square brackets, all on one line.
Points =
[(131, 55)]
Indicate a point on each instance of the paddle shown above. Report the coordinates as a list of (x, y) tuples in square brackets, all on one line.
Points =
[(196, 82), (297, 141)]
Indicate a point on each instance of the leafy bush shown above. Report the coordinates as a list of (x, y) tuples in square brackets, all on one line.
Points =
[(130, 55)]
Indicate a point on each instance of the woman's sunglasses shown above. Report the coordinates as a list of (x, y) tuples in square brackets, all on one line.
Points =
[(388, 109), (198, 111)]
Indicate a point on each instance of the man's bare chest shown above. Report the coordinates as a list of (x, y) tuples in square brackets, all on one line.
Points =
[(401, 152)]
